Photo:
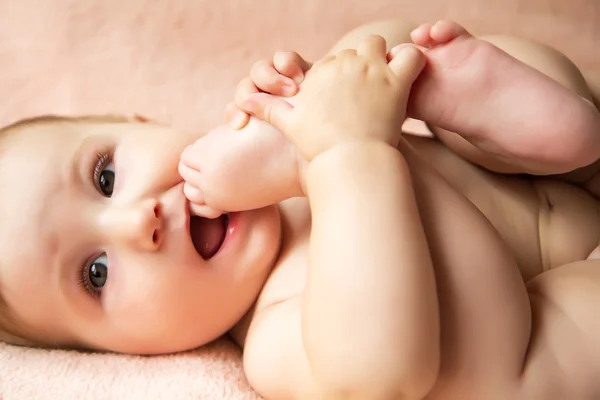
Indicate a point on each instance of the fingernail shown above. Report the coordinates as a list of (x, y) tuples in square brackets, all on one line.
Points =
[(288, 89)]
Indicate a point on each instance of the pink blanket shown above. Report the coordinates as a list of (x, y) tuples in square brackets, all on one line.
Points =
[(213, 372), (178, 61)]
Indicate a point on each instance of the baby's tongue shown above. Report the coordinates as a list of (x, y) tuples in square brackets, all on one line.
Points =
[(207, 235)]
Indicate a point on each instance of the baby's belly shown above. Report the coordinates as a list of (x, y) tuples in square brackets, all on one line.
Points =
[(544, 223), (481, 295)]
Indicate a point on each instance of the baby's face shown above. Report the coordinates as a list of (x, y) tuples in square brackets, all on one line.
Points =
[(95, 243)]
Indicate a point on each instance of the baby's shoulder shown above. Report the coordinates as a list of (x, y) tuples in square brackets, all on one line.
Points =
[(274, 357), (288, 276)]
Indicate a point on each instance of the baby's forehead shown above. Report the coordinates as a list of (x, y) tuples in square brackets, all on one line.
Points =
[(40, 140), (33, 162), (36, 145), (35, 156)]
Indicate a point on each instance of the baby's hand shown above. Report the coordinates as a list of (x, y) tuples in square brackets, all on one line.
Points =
[(354, 95), (279, 76)]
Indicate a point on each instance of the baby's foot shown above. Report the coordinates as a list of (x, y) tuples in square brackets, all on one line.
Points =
[(231, 170), (493, 100), (461, 75)]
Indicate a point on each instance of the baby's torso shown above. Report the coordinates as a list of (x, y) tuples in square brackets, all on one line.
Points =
[(544, 222), (476, 223)]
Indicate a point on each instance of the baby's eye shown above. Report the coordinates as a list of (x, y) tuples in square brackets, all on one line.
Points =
[(95, 275), (105, 178)]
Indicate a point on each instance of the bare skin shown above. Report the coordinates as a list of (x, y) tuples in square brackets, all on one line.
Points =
[(403, 269), (512, 127), (516, 291)]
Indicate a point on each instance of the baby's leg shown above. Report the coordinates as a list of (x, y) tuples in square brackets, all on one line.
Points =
[(509, 117), (592, 77)]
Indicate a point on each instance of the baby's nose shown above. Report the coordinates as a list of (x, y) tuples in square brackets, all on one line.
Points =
[(139, 225)]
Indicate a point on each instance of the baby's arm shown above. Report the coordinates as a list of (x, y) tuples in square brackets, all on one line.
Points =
[(367, 325), (373, 282)]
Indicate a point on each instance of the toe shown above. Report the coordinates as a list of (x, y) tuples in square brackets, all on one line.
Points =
[(189, 174), (193, 194), (204, 211), (445, 30), (421, 35)]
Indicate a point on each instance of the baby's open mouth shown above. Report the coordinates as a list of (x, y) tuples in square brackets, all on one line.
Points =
[(208, 235)]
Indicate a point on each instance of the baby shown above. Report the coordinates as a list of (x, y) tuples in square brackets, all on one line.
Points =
[(393, 266)]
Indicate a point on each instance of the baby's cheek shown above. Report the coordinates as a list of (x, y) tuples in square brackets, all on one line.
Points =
[(133, 297), (141, 316)]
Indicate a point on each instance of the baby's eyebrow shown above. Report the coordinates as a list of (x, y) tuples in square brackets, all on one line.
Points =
[(83, 159)]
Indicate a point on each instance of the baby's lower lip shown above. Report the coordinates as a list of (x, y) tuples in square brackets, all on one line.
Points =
[(230, 230)]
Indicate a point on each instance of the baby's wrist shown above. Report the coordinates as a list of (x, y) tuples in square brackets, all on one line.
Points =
[(354, 149), (349, 161)]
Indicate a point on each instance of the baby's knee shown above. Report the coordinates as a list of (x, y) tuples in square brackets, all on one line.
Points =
[(545, 59), (393, 31)]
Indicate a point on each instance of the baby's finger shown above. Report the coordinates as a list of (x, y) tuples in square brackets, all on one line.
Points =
[(291, 64), (245, 89), (266, 78), (204, 211), (271, 109), (373, 46), (407, 63), (236, 117), (396, 49)]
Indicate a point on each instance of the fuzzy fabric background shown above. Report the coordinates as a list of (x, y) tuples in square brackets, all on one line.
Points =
[(178, 61)]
